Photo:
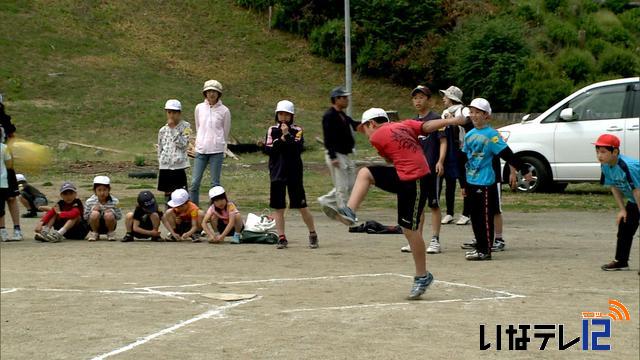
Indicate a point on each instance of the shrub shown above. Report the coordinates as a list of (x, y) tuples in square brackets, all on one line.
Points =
[(631, 20), (616, 61), (576, 64), (540, 84), (256, 4), (561, 32), (328, 40), (553, 5)]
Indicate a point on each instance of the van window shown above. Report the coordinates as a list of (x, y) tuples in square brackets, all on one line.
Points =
[(635, 110), (600, 103)]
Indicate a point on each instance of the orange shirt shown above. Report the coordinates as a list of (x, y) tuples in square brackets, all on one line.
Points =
[(190, 212)]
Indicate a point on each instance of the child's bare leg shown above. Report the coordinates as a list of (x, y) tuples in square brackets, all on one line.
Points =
[(12, 203), (25, 203), (497, 224), (364, 180), (278, 215), (169, 222), (308, 219), (436, 217), (238, 224), (128, 222), (416, 242), (94, 221), (110, 221)]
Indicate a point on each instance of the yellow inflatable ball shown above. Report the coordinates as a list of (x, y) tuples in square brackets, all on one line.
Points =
[(29, 157)]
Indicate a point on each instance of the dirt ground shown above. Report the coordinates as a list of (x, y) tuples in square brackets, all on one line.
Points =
[(345, 300)]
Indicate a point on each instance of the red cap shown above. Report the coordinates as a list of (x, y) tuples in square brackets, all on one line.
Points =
[(607, 140)]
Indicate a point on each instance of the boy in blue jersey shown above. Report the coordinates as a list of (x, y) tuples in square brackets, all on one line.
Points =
[(481, 145), (622, 173)]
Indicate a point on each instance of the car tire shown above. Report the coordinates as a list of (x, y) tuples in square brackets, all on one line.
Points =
[(541, 178)]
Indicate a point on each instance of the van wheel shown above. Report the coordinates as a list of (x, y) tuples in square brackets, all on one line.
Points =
[(541, 178)]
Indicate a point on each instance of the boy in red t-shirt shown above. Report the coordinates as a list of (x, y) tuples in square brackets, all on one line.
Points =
[(184, 219), (64, 220), (398, 144)]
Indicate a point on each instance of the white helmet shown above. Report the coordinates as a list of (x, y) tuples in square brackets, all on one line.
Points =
[(286, 106), (215, 191), (212, 85), (20, 177), (102, 180), (173, 104)]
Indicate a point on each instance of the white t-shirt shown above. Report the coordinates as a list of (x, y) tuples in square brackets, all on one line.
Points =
[(4, 157)]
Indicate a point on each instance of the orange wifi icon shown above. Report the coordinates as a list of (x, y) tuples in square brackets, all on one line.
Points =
[(618, 310)]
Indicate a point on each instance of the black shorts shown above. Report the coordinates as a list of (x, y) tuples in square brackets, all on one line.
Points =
[(78, 232), (411, 195), (170, 180), (4, 195), (222, 226), (13, 183), (297, 197), (144, 223), (102, 226), (433, 190), (183, 227)]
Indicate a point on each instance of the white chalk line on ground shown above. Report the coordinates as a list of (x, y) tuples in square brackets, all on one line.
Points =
[(219, 311)]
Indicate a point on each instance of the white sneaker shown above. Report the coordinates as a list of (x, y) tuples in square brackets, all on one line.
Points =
[(463, 220), (17, 235), (93, 236), (406, 249), (447, 219), (4, 235), (434, 247)]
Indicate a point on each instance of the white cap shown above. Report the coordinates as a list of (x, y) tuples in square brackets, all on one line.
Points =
[(212, 85), (286, 106), (481, 104), (372, 114), (102, 180), (20, 177), (173, 104), (178, 197), (453, 92), (215, 191)]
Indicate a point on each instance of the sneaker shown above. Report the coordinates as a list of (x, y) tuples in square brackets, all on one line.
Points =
[(4, 235), (405, 249), (282, 243), (498, 245), (29, 214), (469, 245), (478, 256), (434, 246), (470, 252), (615, 265), (347, 216), (447, 219), (93, 236), (128, 238), (54, 236), (420, 285), (463, 220), (313, 241), (111, 236), (17, 235), (41, 236), (235, 239), (195, 238)]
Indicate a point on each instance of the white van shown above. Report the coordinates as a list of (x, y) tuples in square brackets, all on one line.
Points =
[(558, 143)]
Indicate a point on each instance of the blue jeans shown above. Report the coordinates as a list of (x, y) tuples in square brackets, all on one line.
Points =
[(199, 166)]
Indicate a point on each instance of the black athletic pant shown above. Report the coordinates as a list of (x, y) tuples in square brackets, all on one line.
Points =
[(482, 204), (626, 230), (450, 193)]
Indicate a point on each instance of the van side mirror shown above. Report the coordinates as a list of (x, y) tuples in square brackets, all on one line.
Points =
[(526, 117), (568, 115)]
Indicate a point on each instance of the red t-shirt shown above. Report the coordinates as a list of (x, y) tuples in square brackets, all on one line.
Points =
[(398, 142)]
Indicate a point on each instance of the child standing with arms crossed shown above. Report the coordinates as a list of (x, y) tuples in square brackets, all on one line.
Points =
[(173, 140), (481, 145), (284, 145), (101, 210), (622, 173), (398, 143)]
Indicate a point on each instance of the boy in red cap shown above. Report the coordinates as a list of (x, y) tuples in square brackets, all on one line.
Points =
[(622, 173)]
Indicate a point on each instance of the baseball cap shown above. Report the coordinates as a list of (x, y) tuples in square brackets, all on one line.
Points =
[(339, 91), (173, 104), (481, 104), (371, 114), (147, 201), (421, 88), (102, 180), (66, 186), (178, 197), (20, 177), (212, 85), (453, 92), (286, 106), (216, 191), (607, 140)]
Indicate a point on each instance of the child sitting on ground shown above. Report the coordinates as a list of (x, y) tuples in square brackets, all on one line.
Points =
[(32, 199), (64, 220), (144, 221), (184, 219), (222, 217), (101, 210)]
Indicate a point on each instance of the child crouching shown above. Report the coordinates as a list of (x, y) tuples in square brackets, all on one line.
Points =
[(101, 210), (222, 216), (64, 220), (144, 221), (184, 219)]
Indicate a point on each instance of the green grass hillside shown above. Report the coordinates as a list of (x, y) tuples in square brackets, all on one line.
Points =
[(99, 72)]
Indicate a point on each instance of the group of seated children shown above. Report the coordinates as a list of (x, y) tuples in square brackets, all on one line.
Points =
[(69, 218)]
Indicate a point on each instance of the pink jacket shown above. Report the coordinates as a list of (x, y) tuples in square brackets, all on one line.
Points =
[(212, 127)]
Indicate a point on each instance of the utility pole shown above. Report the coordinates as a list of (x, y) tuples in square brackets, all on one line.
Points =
[(347, 53)]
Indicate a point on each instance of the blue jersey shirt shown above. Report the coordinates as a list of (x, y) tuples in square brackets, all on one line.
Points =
[(625, 175), (481, 146)]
